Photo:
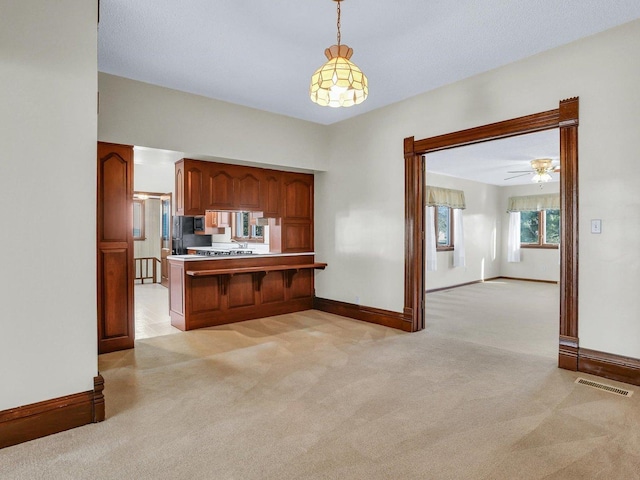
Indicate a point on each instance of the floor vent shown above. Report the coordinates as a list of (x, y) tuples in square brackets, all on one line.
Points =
[(607, 388)]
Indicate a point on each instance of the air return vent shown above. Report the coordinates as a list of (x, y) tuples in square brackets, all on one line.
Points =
[(607, 388)]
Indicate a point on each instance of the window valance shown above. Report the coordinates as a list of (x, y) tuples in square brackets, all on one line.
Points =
[(444, 197), (534, 202)]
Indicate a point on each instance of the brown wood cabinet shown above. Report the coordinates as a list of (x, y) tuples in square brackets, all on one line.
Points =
[(272, 200), (247, 186), (297, 219), (115, 273), (286, 196), (210, 292), (217, 219), (190, 178), (220, 185)]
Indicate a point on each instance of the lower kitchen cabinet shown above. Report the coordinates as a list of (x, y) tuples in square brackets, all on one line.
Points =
[(205, 293)]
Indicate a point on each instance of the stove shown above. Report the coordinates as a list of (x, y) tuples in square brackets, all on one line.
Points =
[(219, 253)]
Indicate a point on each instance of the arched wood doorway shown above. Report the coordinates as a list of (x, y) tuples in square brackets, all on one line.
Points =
[(565, 117)]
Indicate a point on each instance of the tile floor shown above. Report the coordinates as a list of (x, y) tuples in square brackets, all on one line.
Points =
[(152, 311)]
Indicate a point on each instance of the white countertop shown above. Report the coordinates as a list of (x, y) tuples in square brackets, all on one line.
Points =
[(231, 257)]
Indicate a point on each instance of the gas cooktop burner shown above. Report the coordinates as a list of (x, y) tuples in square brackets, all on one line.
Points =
[(218, 253)]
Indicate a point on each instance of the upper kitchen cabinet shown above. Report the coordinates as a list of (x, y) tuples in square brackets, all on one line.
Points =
[(202, 186), (220, 188), (298, 196), (247, 190), (272, 201), (190, 176), (297, 215)]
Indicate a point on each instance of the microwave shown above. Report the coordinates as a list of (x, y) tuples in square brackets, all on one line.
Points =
[(198, 224)]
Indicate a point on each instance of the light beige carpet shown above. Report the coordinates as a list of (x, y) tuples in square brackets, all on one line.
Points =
[(316, 396)]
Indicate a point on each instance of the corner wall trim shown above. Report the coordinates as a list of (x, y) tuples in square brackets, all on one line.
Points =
[(608, 365), (36, 420), (366, 314)]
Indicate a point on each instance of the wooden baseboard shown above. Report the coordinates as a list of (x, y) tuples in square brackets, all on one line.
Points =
[(528, 280), (440, 289), (568, 353), (29, 422), (366, 314), (608, 365)]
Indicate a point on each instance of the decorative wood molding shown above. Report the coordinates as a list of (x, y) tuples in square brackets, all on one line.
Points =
[(414, 236), (367, 314), (568, 353), (36, 420), (569, 226), (608, 365), (493, 131), (98, 399), (566, 119)]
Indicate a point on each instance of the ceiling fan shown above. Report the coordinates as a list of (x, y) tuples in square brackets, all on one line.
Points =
[(541, 169)]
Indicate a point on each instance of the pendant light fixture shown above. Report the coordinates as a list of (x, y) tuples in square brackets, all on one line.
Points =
[(339, 82)]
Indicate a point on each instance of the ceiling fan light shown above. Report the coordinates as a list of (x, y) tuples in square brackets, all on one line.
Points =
[(541, 177)]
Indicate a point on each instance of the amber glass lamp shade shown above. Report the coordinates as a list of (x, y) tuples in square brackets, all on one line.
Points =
[(339, 82)]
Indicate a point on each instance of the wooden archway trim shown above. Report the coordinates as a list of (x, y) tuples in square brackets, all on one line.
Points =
[(566, 118)]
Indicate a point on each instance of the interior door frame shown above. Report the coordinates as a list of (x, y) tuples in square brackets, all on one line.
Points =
[(566, 119)]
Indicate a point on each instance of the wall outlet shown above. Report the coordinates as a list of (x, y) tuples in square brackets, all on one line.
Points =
[(357, 300)]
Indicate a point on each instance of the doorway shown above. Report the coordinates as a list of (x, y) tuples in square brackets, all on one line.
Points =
[(151, 246), (475, 292), (564, 117)]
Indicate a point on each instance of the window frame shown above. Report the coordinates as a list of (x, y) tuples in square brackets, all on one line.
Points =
[(450, 246), (251, 238), (542, 232), (141, 237)]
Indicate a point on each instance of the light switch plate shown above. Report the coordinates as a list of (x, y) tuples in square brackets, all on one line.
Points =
[(596, 226)]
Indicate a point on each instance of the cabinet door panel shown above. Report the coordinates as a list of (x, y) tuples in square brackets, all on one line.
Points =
[(241, 291), (302, 284), (248, 193), (297, 237), (205, 294), (298, 200), (115, 247), (219, 190), (114, 263), (193, 202), (271, 192), (179, 188), (273, 287)]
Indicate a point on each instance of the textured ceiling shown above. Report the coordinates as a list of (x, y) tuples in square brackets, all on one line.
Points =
[(262, 54), (491, 162)]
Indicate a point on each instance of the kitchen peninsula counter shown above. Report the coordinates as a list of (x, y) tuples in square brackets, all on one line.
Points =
[(207, 291)]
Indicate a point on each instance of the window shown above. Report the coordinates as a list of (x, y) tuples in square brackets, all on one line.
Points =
[(138, 219), (245, 228), (540, 229), (444, 228)]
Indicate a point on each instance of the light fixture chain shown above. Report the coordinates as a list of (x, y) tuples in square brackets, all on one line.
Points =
[(338, 24)]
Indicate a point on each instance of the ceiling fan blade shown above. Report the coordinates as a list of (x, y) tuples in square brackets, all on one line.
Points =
[(516, 176), (556, 169)]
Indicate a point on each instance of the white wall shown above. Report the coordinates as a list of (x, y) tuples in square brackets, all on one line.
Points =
[(137, 113), (360, 201), (482, 236), (535, 263), (48, 80), (157, 178)]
